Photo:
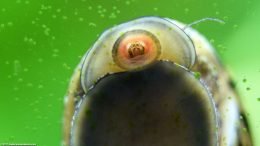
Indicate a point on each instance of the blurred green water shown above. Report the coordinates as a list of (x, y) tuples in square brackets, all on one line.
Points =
[(42, 41)]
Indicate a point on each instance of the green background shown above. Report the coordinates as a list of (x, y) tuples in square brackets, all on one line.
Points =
[(42, 41)]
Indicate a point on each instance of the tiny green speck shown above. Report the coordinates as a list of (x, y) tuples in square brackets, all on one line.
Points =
[(197, 75)]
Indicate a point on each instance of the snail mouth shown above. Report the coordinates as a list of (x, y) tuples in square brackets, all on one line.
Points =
[(161, 105)]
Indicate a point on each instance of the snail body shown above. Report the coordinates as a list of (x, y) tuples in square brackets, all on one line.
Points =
[(148, 82)]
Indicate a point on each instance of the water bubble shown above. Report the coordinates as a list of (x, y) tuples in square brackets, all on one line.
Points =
[(58, 10), (112, 15), (47, 31), (34, 129), (40, 12), (212, 41), (16, 99), (114, 7), (40, 60), (102, 15), (9, 76), (65, 65), (26, 127), (100, 11), (27, 2), (235, 26), (40, 86), (222, 48), (64, 17), (43, 7), (36, 110), (25, 39), (29, 40), (18, 1), (20, 80), (31, 104), (186, 10), (49, 124), (90, 8), (127, 2), (155, 9), (54, 55), (37, 18), (92, 24), (118, 11), (54, 16), (225, 18), (16, 88), (2, 25), (104, 10), (10, 23), (3, 9), (29, 84), (99, 6), (60, 99), (25, 69), (17, 67), (81, 19), (76, 13)]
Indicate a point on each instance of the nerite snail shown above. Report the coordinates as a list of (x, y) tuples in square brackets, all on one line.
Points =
[(138, 86)]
